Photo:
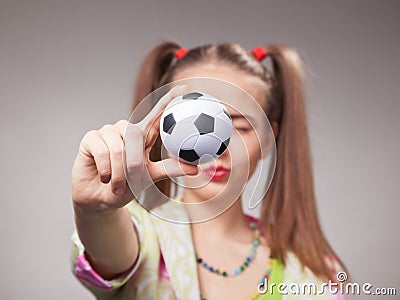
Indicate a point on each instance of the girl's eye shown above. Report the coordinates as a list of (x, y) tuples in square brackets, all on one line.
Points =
[(242, 129), (241, 124)]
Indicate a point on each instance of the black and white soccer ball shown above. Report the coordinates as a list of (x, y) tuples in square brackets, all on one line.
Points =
[(195, 128)]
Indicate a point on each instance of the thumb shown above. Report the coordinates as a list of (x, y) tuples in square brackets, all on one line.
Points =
[(170, 167)]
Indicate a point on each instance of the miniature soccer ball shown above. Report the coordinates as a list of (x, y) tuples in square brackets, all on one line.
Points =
[(195, 128)]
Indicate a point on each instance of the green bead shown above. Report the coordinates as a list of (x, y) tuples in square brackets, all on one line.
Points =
[(217, 271), (224, 274), (246, 264), (241, 268)]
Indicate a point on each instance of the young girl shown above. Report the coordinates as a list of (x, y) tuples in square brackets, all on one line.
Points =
[(122, 251)]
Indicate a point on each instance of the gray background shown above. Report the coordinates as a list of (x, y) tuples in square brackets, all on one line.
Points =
[(68, 66)]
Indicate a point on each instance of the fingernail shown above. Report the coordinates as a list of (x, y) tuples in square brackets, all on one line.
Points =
[(119, 191)]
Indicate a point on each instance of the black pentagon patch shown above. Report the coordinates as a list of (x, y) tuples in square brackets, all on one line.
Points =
[(223, 147), (204, 124), (169, 123), (188, 155), (227, 114), (192, 96)]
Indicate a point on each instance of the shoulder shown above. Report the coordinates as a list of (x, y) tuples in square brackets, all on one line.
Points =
[(296, 272), (301, 283)]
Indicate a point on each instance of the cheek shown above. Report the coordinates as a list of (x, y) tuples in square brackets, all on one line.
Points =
[(254, 150), (245, 151)]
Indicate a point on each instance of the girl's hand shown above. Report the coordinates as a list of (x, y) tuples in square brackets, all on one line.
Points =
[(98, 176)]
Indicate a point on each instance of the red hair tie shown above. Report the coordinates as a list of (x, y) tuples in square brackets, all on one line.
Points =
[(259, 53), (180, 53)]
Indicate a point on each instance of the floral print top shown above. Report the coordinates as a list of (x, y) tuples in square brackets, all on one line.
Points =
[(166, 268)]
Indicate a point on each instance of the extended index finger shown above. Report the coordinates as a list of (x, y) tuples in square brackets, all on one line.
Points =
[(155, 113)]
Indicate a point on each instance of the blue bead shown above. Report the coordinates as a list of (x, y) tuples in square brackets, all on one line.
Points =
[(255, 244), (248, 259), (268, 272), (211, 269), (205, 265), (237, 271)]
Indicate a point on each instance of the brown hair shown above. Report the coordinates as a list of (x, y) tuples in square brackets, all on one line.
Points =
[(289, 209)]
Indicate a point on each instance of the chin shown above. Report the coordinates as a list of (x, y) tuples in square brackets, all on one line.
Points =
[(206, 189)]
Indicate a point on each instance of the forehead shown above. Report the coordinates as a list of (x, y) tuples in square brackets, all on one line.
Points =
[(253, 85)]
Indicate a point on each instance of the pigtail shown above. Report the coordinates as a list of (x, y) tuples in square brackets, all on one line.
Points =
[(289, 210), (153, 69)]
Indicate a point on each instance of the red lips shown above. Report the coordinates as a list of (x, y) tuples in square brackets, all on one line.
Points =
[(216, 172)]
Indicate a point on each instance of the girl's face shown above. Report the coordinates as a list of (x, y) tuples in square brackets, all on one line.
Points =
[(245, 141)]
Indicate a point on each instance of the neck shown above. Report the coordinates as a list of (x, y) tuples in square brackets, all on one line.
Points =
[(231, 224)]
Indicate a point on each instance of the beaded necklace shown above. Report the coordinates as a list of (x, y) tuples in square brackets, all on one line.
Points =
[(255, 295), (264, 280), (256, 241), (237, 271)]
